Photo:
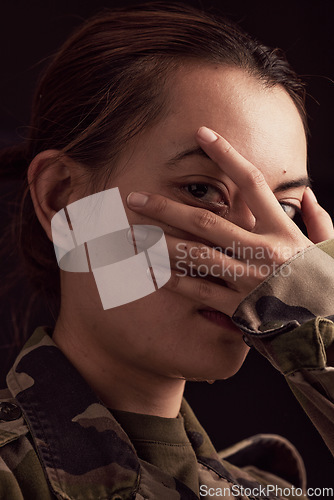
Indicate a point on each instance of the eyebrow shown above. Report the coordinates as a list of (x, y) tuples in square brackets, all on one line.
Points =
[(197, 151), (284, 186)]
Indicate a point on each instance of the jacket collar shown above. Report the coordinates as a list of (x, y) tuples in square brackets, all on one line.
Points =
[(78, 440)]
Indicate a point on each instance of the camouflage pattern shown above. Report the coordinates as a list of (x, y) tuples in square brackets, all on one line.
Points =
[(65, 444), (286, 299), (57, 440), (292, 326)]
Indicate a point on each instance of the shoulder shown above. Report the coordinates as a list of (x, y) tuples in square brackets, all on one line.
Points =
[(268, 457)]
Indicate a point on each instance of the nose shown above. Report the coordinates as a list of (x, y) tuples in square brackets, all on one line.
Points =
[(241, 215)]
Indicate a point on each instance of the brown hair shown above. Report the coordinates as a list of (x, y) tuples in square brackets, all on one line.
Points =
[(108, 82)]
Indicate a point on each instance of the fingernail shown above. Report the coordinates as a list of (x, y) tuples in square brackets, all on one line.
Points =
[(140, 233), (206, 135), (136, 200), (312, 194), (136, 236), (160, 273)]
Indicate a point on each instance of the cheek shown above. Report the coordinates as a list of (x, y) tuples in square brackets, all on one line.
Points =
[(157, 319), (146, 331), (162, 332), (153, 312)]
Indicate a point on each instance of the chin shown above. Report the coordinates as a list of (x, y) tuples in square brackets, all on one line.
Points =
[(217, 369)]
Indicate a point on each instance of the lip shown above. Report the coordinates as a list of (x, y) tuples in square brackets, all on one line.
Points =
[(217, 317)]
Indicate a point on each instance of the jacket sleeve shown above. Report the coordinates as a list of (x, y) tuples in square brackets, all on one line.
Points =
[(289, 319)]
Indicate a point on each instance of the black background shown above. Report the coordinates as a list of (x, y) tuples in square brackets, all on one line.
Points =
[(257, 399)]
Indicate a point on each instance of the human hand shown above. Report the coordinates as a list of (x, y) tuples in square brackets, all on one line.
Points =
[(272, 241)]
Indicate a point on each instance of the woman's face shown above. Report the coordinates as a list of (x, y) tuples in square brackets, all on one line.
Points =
[(164, 332)]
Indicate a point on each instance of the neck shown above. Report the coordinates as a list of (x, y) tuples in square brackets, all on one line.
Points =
[(120, 385)]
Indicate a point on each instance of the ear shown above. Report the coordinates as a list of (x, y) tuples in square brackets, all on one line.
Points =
[(54, 183)]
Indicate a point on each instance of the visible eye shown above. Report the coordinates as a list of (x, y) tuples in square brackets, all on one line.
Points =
[(205, 192), (290, 210)]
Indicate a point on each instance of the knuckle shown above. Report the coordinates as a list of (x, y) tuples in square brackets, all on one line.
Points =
[(256, 178), (160, 205), (205, 219), (174, 281), (228, 148), (204, 290), (195, 252)]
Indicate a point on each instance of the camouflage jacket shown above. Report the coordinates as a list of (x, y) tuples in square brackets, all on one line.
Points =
[(57, 440)]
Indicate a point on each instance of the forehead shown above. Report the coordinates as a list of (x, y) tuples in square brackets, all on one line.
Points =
[(261, 122)]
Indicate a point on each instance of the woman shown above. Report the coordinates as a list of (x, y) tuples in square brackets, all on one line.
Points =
[(203, 132)]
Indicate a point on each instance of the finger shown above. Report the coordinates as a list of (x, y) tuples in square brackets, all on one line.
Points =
[(199, 260), (250, 180), (197, 221), (221, 298), (318, 222)]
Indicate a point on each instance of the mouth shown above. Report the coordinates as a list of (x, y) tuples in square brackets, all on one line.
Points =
[(217, 317), (207, 308)]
